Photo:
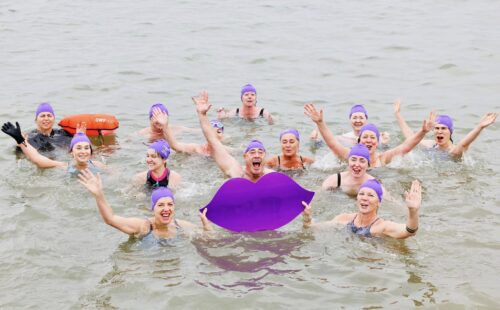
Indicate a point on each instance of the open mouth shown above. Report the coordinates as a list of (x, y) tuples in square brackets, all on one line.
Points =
[(256, 164), (356, 170), (165, 215), (364, 205), (439, 138)]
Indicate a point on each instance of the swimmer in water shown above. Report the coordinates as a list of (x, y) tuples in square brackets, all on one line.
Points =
[(358, 118), (158, 174), (350, 180), (155, 130), (254, 155), (188, 148), (289, 158), (162, 225), (248, 109), (45, 138), (80, 148), (369, 136), (366, 221), (443, 130)]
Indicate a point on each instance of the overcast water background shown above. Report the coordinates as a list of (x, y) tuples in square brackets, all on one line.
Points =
[(119, 57)]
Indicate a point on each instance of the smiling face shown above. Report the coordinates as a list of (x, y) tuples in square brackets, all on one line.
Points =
[(358, 120), (358, 166), (254, 161), (249, 99), (442, 134), (289, 144), (164, 210), (81, 152), (45, 121), (154, 160), (367, 200), (369, 139)]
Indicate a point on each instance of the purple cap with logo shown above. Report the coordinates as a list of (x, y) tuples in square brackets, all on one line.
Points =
[(157, 106), (161, 147), (216, 124), (160, 192)]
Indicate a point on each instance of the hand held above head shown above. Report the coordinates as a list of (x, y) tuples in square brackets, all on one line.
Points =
[(488, 119), (14, 132), (92, 182), (414, 196), (204, 220), (397, 106), (201, 102), (429, 122), (315, 115), (81, 128)]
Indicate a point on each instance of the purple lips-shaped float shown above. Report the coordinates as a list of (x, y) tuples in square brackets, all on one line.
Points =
[(242, 205)]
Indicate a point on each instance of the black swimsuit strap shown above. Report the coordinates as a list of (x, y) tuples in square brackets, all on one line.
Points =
[(302, 162), (237, 111), (279, 162), (339, 181), (261, 114)]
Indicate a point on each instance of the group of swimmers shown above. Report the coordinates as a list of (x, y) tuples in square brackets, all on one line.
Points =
[(358, 148)]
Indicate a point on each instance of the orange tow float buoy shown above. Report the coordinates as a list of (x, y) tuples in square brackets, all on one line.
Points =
[(97, 124)]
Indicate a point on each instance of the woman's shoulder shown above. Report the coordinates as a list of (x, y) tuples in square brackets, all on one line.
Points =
[(344, 218)]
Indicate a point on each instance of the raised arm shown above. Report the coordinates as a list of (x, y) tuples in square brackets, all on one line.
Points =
[(413, 202), (222, 157), (30, 152), (411, 142), (162, 118), (337, 148), (130, 226), (464, 144), (405, 129)]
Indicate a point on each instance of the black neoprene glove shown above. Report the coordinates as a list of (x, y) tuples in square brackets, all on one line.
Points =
[(14, 132)]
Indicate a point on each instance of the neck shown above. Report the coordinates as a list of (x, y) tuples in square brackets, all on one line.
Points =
[(81, 165), (356, 132), (45, 132), (446, 146), (158, 171), (161, 229), (248, 110), (252, 177), (289, 157), (365, 219)]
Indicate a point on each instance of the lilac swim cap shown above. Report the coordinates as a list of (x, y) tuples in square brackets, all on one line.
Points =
[(216, 124), (370, 127), (44, 107), (248, 88), (161, 147), (77, 138), (375, 185), (159, 193), (360, 150), (255, 144), (358, 108), (445, 120), (293, 131), (159, 106)]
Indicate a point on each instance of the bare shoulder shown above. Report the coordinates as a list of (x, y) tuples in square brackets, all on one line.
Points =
[(344, 218), (272, 162), (186, 224), (427, 143), (308, 160)]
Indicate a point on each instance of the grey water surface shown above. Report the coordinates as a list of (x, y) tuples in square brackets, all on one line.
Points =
[(119, 57)]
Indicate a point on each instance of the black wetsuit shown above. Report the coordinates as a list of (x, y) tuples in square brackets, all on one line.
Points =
[(58, 138)]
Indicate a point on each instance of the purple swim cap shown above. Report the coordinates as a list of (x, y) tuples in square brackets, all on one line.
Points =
[(77, 138), (375, 185), (159, 106), (216, 124), (370, 127), (255, 144), (293, 131), (358, 108), (248, 88), (44, 107), (445, 120), (161, 147), (360, 150), (160, 192)]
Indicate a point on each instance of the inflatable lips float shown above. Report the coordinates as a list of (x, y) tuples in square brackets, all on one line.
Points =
[(241, 205)]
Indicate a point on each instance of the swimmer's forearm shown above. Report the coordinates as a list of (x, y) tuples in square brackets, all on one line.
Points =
[(104, 209), (338, 149), (405, 129), (412, 222), (469, 138)]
